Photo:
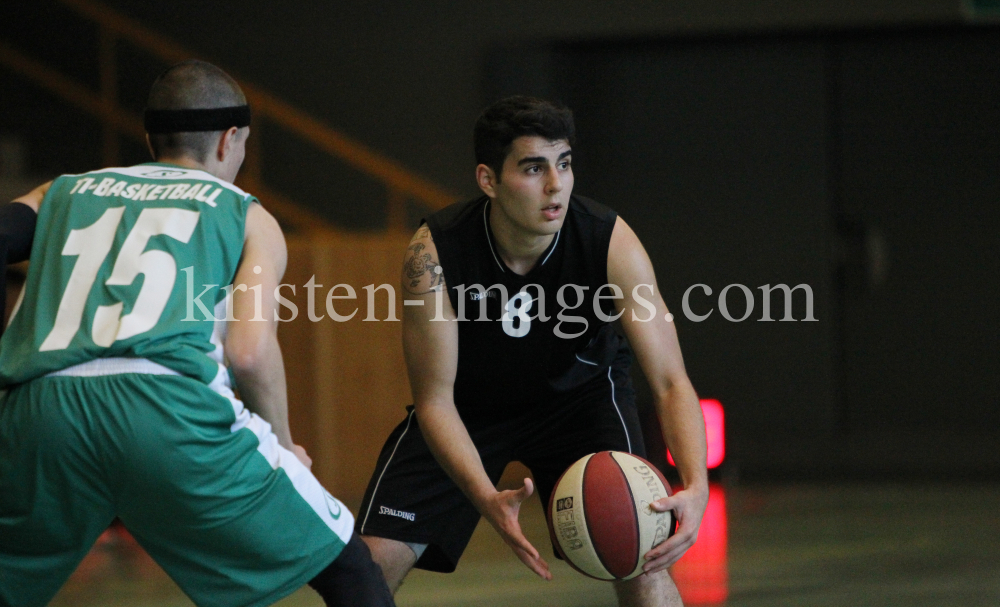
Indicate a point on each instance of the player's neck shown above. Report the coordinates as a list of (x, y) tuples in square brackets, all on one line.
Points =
[(519, 249)]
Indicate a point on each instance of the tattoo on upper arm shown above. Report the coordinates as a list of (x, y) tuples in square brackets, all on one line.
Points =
[(421, 268)]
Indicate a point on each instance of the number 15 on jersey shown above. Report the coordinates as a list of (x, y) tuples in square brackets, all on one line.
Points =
[(91, 246)]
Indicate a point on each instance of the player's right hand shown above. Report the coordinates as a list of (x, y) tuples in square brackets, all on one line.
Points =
[(689, 507), (300, 453), (502, 510)]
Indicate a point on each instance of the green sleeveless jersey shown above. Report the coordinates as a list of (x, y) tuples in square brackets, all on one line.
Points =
[(127, 262)]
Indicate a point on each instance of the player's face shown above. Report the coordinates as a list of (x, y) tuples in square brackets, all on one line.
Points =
[(534, 188)]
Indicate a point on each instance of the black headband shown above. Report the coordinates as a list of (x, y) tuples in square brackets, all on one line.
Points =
[(182, 121)]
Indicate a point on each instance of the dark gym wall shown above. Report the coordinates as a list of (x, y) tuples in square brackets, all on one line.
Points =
[(716, 154), (860, 163), (404, 77), (920, 140)]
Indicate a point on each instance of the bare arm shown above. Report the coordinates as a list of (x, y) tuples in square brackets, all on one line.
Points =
[(658, 352), (431, 351), (252, 340)]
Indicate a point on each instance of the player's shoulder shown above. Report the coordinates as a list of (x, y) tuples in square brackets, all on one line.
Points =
[(592, 210), (591, 219)]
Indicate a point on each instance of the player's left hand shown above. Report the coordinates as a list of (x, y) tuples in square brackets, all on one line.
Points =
[(502, 512), (689, 507)]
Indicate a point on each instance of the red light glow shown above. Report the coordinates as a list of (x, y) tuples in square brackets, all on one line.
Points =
[(715, 434), (702, 574)]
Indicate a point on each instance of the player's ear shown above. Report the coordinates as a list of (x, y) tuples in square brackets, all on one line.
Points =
[(149, 146), (487, 180), (227, 143)]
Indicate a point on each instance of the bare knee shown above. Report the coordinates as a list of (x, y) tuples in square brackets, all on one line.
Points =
[(394, 557), (649, 590)]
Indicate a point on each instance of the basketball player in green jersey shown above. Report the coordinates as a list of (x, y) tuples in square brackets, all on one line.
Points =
[(115, 402)]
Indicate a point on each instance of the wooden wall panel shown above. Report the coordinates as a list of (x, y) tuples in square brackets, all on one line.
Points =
[(347, 381)]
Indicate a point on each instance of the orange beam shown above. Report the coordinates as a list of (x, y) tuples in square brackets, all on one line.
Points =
[(131, 30), (394, 175), (300, 219)]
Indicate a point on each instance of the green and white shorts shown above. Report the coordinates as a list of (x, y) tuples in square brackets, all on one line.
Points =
[(202, 484)]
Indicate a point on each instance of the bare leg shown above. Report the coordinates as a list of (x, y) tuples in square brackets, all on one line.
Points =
[(395, 558), (648, 590)]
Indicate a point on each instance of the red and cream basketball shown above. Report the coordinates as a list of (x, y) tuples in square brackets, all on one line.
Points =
[(600, 517)]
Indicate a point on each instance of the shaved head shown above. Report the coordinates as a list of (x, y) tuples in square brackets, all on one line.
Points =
[(191, 85)]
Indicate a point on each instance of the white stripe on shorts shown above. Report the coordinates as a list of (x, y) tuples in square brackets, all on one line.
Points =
[(615, 402), (331, 510), (375, 490)]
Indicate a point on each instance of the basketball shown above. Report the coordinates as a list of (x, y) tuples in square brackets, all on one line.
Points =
[(600, 518)]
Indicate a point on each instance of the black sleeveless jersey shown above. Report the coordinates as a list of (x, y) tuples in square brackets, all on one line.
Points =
[(546, 340)]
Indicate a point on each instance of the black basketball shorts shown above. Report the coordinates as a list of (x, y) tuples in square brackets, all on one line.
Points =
[(411, 499)]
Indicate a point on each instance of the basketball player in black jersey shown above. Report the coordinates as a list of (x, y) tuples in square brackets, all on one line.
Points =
[(533, 370)]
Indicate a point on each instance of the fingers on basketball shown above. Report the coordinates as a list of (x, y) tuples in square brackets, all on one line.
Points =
[(669, 552), (664, 504)]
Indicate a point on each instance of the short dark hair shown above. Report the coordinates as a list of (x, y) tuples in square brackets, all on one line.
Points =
[(191, 85), (506, 120)]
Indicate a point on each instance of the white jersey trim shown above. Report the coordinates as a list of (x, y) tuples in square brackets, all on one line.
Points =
[(168, 173), (486, 224), (553, 249), (100, 367)]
